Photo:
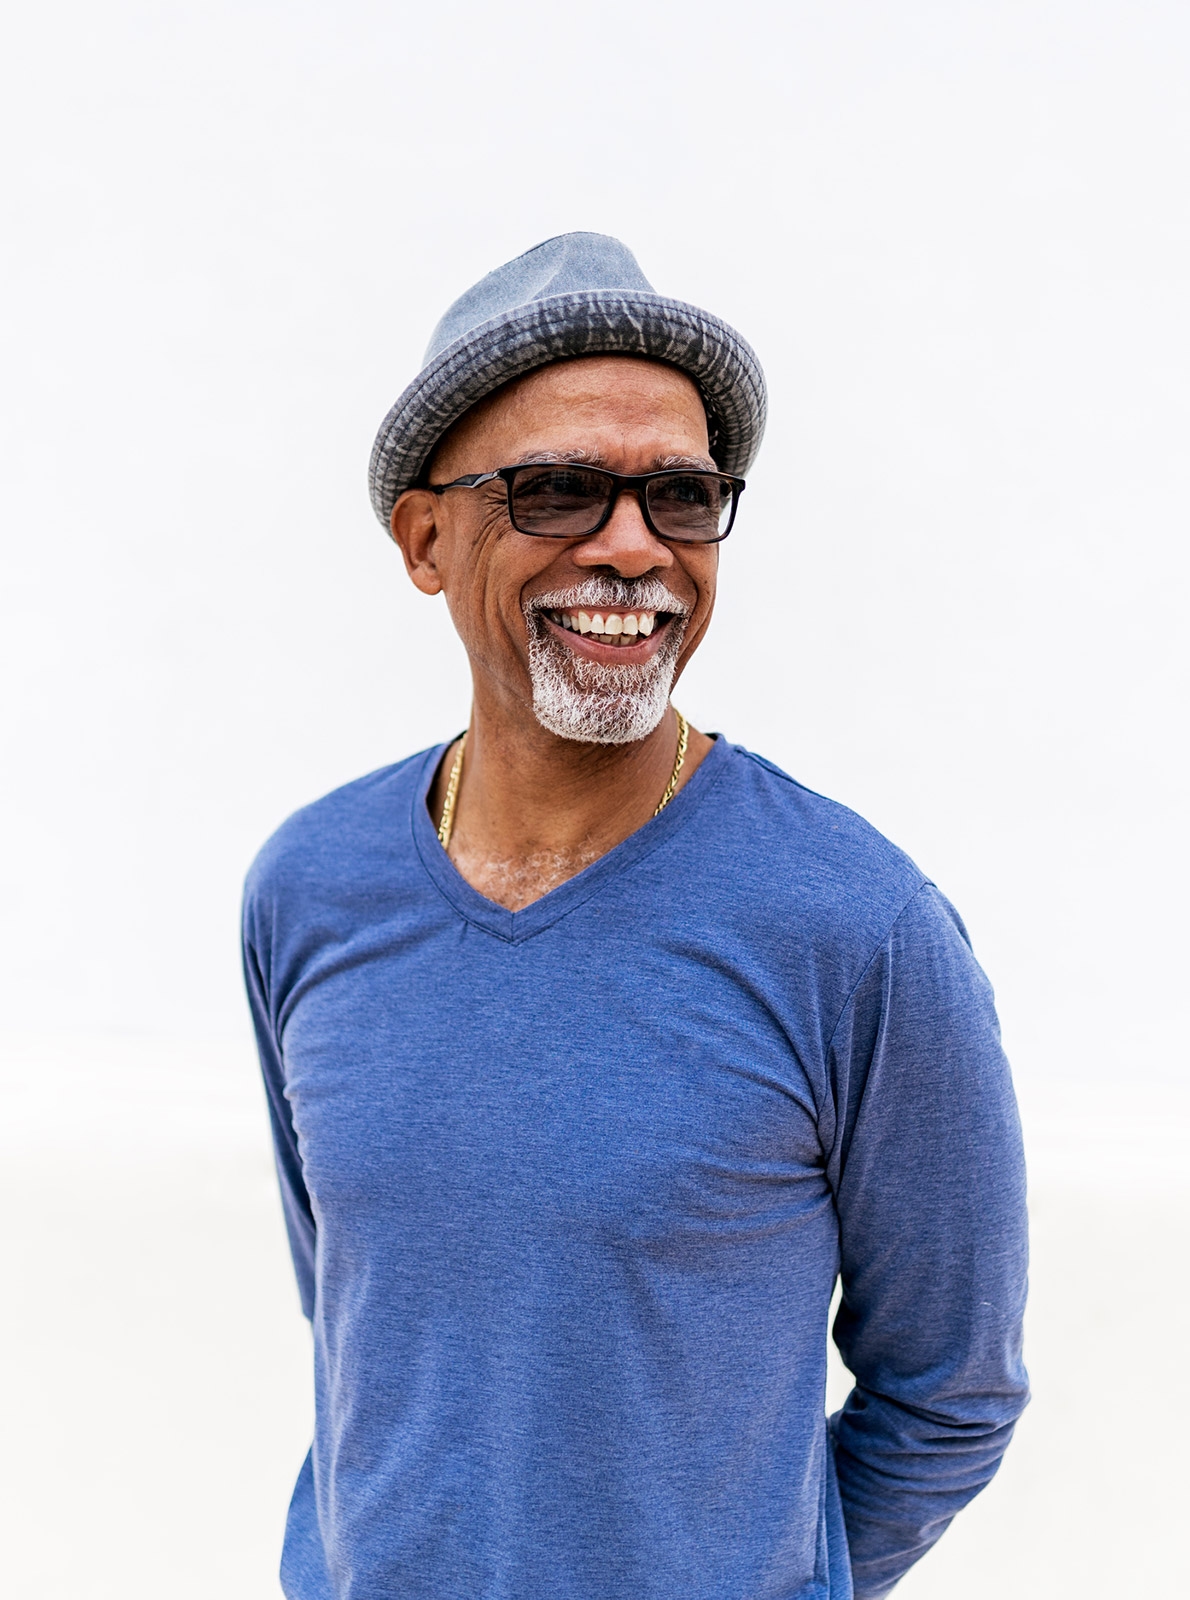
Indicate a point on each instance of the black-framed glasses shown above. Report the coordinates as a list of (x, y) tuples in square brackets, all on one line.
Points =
[(556, 500)]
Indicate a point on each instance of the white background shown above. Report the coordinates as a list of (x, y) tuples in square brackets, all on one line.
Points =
[(958, 235)]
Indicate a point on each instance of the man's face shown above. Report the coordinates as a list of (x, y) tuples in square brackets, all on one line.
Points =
[(587, 634)]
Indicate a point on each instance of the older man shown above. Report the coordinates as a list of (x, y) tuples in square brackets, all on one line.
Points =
[(597, 1048)]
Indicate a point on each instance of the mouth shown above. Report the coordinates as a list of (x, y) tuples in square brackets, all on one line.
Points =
[(618, 633)]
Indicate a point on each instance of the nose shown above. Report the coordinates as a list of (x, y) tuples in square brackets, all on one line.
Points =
[(624, 543)]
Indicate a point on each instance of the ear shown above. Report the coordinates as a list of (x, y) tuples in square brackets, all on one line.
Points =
[(415, 529)]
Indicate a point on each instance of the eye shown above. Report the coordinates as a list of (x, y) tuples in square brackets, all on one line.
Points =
[(557, 484), (690, 505), (690, 489), (562, 502)]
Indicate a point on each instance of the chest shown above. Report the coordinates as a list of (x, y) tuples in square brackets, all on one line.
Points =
[(518, 881), (639, 1091)]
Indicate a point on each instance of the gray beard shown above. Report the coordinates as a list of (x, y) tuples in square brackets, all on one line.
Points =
[(585, 700)]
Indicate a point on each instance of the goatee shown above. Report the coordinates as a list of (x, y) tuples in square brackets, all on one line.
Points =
[(590, 701)]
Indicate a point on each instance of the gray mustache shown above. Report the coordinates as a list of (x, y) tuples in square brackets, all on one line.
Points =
[(646, 594)]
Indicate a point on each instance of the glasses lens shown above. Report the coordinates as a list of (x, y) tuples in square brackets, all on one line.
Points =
[(692, 506), (560, 502)]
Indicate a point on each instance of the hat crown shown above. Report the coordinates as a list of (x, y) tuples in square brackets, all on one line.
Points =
[(580, 294), (571, 263)]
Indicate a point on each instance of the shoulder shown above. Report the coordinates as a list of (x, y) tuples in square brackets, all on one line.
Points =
[(800, 897), (338, 833), (805, 832), (791, 851)]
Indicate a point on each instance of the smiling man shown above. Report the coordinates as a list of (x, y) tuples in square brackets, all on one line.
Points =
[(598, 1049)]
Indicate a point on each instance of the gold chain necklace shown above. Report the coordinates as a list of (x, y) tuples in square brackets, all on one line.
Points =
[(446, 826), (679, 763)]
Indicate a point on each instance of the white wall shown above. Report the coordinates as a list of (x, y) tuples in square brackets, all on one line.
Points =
[(958, 235)]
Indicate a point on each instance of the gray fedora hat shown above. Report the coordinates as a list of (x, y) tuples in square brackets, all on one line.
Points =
[(580, 294)]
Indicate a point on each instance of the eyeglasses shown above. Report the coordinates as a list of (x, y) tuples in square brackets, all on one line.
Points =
[(559, 501)]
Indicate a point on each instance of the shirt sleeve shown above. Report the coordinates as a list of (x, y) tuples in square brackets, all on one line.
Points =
[(295, 1198), (928, 1175)]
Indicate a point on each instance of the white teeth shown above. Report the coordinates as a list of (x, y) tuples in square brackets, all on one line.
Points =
[(613, 626)]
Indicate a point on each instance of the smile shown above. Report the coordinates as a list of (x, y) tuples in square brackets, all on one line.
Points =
[(618, 629)]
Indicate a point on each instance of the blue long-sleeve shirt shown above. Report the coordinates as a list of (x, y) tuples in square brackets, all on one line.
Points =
[(568, 1190)]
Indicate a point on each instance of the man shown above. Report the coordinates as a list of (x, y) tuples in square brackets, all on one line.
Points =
[(597, 1048)]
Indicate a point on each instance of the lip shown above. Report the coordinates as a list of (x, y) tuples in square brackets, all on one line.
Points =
[(627, 655)]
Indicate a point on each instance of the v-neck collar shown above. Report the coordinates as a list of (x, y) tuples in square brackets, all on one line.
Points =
[(515, 926)]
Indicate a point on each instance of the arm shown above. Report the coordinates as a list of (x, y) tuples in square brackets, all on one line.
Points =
[(295, 1200), (928, 1177)]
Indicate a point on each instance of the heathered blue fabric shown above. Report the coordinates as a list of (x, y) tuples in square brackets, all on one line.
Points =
[(568, 1190)]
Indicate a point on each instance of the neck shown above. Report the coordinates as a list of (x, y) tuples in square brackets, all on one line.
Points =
[(533, 810)]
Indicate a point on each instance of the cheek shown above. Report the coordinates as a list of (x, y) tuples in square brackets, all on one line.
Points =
[(703, 570), (485, 616), (483, 592)]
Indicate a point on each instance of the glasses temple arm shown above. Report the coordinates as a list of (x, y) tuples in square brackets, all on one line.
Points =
[(470, 480)]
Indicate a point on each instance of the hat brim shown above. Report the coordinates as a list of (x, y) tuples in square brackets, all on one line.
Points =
[(594, 322)]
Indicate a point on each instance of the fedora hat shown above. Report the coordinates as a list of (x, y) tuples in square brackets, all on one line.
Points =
[(580, 294)]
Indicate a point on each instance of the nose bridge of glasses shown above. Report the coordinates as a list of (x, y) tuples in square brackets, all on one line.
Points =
[(624, 542), (628, 513)]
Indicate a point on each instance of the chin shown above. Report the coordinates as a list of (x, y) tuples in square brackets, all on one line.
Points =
[(593, 703)]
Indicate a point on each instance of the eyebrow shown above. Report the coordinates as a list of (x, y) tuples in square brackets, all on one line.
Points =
[(592, 458), (698, 463)]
